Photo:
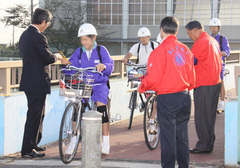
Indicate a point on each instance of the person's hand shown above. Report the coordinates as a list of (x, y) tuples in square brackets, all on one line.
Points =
[(64, 61), (59, 56), (223, 53), (100, 67), (137, 89), (125, 60)]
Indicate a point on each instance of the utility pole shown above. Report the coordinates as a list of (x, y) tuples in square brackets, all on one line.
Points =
[(13, 38), (31, 10)]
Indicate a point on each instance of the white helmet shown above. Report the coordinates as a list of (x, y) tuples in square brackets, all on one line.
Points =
[(159, 39), (215, 22), (86, 29), (143, 32)]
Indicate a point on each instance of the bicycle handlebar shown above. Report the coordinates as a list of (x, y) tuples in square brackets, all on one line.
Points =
[(71, 67), (130, 63)]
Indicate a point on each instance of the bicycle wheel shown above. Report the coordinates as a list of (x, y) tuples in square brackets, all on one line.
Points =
[(132, 106), (150, 124), (70, 132)]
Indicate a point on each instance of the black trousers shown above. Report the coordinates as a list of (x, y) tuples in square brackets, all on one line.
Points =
[(206, 101), (34, 122), (173, 113)]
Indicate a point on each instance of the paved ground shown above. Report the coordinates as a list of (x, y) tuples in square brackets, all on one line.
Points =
[(128, 149)]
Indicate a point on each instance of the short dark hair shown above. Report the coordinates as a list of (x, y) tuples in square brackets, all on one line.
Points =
[(40, 15), (169, 25), (194, 24)]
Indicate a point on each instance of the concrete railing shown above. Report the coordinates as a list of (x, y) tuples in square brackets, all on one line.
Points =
[(234, 57), (11, 71)]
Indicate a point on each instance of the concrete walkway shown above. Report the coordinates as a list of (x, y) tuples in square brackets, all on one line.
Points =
[(128, 149)]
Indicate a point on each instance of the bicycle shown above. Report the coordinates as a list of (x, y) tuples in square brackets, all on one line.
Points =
[(77, 88), (150, 123), (135, 73), (226, 72)]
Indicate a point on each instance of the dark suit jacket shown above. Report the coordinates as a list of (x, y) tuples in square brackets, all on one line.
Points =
[(36, 57)]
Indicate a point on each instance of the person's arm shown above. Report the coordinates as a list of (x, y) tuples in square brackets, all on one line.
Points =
[(44, 50), (74, 59), (107, 61), (226, 48), (132, 51), (191, 73), (155, 69), (126, 58), (198, 51)]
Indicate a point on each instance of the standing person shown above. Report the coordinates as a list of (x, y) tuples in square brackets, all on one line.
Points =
[(142, 49), (170, 72), (208, 84), (35, 81), (93, 55), (215, 27)]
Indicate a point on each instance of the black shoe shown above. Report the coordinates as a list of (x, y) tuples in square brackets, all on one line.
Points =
[(40, 149), (33, 154), (198, 151)]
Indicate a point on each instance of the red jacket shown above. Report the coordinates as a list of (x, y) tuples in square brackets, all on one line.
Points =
[(209, 66), (170, 68)]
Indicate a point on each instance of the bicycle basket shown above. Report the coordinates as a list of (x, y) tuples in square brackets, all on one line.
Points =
[(136, 74), (76, 85)]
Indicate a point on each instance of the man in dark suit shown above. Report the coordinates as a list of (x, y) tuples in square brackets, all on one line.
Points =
[(35, 81)]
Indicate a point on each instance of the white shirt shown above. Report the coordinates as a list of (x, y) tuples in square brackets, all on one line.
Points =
[(144, 51), (89, 53)]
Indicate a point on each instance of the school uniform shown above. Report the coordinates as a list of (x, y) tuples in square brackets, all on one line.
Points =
[(224, 46), (91, 59)]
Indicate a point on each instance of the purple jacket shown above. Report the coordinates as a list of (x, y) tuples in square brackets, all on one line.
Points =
[(94, 60), (225, 44)]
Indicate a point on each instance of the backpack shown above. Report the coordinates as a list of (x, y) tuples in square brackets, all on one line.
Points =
[(220, 42), (100, 58), (152, 45)]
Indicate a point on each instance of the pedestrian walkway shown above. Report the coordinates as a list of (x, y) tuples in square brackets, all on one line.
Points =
[(128, 149)]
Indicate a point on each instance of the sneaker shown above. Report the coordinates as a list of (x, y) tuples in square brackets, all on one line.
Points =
[(71, 146), (220, 108), (105, 149)]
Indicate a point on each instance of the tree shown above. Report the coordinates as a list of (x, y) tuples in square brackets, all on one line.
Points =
[(67, 17), (18, 16)]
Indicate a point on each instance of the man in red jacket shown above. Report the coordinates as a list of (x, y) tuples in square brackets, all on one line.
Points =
[(171, 74), (208, 84)]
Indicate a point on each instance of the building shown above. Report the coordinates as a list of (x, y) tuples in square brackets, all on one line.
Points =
[(122, 19)]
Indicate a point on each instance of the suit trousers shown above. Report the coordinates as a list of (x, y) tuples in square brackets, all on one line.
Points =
[(34, 122), (206, 101), (173, 113)]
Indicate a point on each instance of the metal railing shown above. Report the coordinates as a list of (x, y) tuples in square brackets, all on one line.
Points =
[(11, 71)]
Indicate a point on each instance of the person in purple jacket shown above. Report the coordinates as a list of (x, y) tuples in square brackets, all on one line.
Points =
[(215, 27), (88, 56)]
